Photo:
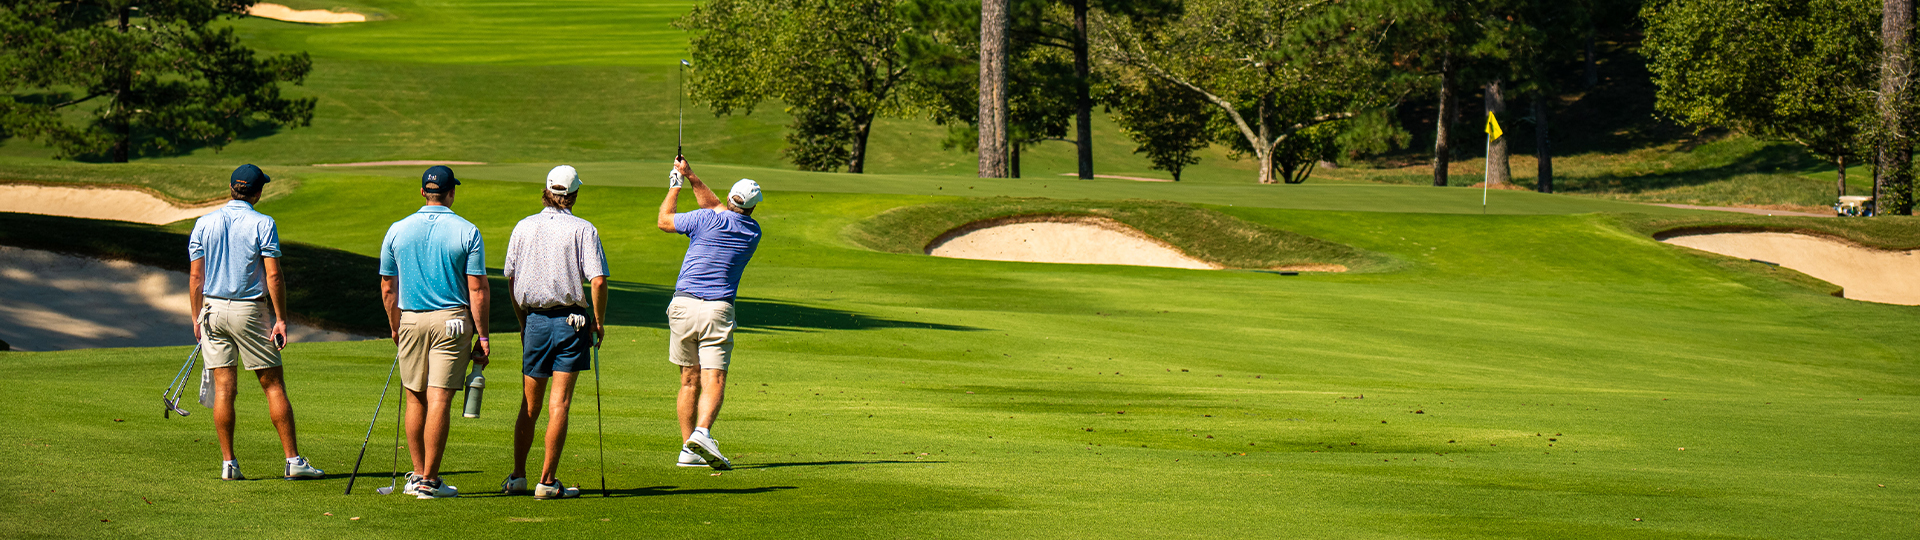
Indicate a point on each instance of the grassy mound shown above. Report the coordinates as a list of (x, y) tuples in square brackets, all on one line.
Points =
[(1204, 234)]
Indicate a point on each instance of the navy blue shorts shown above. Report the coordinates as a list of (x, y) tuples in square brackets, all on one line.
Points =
[(549, 344)]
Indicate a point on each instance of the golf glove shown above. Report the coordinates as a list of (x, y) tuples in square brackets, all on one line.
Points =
[(577, 321), (673, 178), (456, 327)]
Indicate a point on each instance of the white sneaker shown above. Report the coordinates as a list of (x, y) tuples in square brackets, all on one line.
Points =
[(514, 486), (690, 459), (230, 470), (556, 490), (435, 489), (298, 468), (412, 484), (709, 449)]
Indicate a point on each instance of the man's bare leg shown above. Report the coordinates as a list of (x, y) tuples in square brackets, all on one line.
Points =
[(559, 401), (273, 382), (531, 390), (416, 420), (223, 393), (701, 393), (686, 405), (439, 402), (713, 390)]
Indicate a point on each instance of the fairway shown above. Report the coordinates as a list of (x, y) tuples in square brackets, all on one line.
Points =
[(1522, 365)]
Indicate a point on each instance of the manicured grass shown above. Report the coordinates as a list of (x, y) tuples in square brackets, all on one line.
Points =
[(1200, 233), (1521, 376)]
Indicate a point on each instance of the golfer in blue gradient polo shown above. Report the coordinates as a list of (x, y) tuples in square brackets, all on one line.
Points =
[(722, 236)]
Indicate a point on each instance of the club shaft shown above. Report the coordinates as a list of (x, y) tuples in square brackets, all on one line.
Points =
[(598, 422), (370, 424)]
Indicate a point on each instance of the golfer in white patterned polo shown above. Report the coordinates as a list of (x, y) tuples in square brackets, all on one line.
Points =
[(240, 314), (722, 237), (550, 255)]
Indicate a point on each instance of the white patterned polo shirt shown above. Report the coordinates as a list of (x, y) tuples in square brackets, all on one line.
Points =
[(549, 256)]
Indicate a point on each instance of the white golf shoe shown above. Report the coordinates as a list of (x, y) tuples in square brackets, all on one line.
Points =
[(230, 470), (555, 490), (434, 489), (690, 459), (514, 486), (412, 484), (298, 468), (708, 449)]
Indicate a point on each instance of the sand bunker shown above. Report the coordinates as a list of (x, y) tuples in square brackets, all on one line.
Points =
[(1070, 240), (310, 16), (114, 204), (1891, 277), (57, 302), (399, 162)]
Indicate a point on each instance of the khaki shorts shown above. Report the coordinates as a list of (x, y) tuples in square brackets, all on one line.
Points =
[(236, 333), (700, 332), (430, 354)]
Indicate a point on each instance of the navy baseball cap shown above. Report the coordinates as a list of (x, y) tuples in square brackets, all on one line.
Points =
[(249, 178), (438, 179)]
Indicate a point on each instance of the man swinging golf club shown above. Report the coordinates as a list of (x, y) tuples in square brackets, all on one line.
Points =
[(700, 319), (240, 314), (433, 280), (550, 254)]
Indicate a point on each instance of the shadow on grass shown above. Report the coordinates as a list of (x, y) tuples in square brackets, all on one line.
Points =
[(655, 491), (830, 463), (645, 304)]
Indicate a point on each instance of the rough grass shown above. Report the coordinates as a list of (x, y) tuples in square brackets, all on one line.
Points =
[(1198, 232)]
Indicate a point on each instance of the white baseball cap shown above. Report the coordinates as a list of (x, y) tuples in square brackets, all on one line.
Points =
[(563, 180), (745, 193)]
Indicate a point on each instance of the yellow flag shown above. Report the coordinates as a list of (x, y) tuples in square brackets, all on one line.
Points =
[(1493, 127)]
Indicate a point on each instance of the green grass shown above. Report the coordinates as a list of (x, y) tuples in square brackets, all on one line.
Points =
[(1523, 376), (1203, 234)]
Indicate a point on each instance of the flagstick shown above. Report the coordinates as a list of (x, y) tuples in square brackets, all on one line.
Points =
[(1486, 175)]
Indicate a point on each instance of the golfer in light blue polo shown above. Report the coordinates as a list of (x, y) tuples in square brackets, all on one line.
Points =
[(722, 236), (433, 280), (240, 314)]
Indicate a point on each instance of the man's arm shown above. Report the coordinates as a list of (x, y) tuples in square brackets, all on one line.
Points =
[(477, 292), (599, 309), (196, 278), (277, 294), (665, 221), (519, 313), (701, 194), (390, 298)]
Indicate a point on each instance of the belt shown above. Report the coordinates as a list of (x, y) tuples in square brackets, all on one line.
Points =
[(685, 294)]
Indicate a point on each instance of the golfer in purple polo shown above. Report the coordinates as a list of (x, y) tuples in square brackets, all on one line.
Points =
[(700, 320)]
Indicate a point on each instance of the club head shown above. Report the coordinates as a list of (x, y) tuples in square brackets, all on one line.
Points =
[(686, 63), (385, 490), (174, 407)]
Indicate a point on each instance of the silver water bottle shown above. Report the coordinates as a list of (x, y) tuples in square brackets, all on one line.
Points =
[(475, 385)]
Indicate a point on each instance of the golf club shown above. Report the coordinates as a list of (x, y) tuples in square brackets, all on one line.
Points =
[(170, 398), (393, 478), (598, 423), (680, 147), (370, 424)]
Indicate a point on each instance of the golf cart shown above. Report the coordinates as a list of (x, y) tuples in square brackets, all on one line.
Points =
[(1854, 206)]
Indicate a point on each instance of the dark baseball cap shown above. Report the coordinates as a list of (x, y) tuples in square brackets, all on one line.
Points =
[(249, 178), (438, 179)]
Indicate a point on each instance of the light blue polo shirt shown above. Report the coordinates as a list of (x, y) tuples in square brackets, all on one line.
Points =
[(721, 243), (431, 252), (233, 240)]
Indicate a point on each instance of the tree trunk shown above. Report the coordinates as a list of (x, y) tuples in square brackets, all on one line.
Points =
[(993, 88), (1083, 90), (1841, 187), (1497, 172), (1013, 161), (123, 90), (1544, 183), (857, 162), (1894, 152), (1266, 165), (1443, 126), (1593, 62), (1266, 140)]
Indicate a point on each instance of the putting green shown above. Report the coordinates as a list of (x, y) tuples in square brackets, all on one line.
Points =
[(1521, 376)]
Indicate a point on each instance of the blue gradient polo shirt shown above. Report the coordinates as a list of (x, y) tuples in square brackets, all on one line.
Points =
[(234, 240), (432, 252), (721, 243)]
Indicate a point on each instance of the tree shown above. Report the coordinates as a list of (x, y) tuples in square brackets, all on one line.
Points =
[(1794, 70), (1271, 68), (836, 64), (993, 89), (1893, 149), (156, 75), (1168, 122)]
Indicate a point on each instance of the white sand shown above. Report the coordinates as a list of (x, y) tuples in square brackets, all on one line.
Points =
[(1891, 277), (103, 203), (311, 16), (50, 301), (1069, 240)]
